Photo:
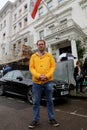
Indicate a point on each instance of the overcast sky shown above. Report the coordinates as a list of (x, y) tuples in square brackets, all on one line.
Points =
[(2, 2)]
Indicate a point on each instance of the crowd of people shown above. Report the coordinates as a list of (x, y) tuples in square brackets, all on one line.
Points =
[(80, 74)]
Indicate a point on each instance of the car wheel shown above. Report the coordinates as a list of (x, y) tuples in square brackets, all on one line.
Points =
[(29, 95), (1, 90)]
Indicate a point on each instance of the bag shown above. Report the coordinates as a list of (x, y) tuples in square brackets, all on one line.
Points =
[(78, 77)]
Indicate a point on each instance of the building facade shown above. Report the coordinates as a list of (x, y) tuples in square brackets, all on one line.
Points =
[(60, 22)]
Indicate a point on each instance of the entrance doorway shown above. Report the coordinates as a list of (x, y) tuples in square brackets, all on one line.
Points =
[(65, 49)]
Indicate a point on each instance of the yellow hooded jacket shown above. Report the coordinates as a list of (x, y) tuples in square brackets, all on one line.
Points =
[(42, 65)]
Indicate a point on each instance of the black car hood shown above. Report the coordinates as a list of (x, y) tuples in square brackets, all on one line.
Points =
[(59, 82)]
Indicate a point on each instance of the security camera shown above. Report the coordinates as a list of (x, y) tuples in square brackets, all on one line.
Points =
[(56, 37)]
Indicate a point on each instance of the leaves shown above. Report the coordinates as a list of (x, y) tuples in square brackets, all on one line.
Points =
[(81, 50)]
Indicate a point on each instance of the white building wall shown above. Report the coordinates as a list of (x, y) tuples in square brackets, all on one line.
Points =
[(78, 15), (70, 9), (6, 29)]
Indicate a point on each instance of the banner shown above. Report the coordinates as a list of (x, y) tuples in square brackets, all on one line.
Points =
[(34, 4)]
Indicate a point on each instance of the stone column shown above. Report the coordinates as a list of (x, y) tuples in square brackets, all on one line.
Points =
[(57, 55), (49, 49), (74, 50)]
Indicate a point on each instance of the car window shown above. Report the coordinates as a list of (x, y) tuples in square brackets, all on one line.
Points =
[(17, 74), (26, 74), (9, 75)]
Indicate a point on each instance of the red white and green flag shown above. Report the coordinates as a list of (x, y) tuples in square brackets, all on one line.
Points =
[(34, 4)]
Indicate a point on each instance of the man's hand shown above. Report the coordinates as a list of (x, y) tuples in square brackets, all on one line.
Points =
[(43, 77)]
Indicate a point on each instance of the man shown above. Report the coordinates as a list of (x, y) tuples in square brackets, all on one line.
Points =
[(42, 66), (7, 69)]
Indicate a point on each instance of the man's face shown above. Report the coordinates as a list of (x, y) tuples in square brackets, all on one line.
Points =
[(41, 46)]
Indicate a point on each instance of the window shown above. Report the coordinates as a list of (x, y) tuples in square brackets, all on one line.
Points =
[(3, 50), (63, 23), (14, 50), (41, 34), (17, 74), (49, 4), (19, 46), (4, 23), (4, 36), (15, 29), (41, 11), (84, 8), (20, 12), (0, 26), (86, 11), (25, 40), (20, 25), (51, 27), (15, 6), (25, 7), (14, 47), (20, 1), (60, 1), (25, 21), (15, 17), (9, 75)]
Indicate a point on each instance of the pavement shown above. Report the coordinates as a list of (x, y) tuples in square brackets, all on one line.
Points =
[(80, 95), (17, 115)]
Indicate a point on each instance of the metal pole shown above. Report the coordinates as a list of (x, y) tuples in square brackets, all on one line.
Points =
[(50, 12)]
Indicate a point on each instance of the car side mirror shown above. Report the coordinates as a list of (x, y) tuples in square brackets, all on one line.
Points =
[(19, 78)]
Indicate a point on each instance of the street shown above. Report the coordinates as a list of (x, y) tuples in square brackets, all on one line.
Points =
[(16, 114)]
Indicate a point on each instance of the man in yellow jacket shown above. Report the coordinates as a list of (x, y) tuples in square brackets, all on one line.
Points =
[(42, 66)]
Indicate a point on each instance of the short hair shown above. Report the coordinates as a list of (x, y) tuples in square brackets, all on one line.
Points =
[(42, 41)]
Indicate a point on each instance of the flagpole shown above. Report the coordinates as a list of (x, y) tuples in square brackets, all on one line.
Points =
[(54, 16), (56, 20)]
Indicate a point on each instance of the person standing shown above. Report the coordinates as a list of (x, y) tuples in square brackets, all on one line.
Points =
[(85, 69), (78, 76), (42, 66), (7, 69)]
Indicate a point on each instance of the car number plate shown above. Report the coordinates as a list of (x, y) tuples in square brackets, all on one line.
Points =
[(64, 93)]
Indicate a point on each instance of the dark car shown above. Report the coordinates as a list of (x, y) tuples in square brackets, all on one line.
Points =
[(19, 83)]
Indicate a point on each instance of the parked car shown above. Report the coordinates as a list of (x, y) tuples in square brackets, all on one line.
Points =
[(1, 73), (19, 82)]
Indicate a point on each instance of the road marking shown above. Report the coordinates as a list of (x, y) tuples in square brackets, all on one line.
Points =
[(78, 115), (72, 113), (15, 99), (10, 98), (20, 101)]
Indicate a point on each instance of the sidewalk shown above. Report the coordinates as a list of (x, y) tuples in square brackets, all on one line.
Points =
[(79, 95)]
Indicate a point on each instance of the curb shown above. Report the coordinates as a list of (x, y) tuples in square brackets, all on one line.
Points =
[(78, 96)]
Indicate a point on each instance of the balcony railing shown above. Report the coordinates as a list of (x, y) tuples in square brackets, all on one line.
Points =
[(61, 27)]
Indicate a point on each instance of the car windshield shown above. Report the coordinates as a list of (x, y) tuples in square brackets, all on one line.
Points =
[(26, 74), (8, 75)]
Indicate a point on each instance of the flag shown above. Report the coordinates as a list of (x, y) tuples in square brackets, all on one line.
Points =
[(34, 4)]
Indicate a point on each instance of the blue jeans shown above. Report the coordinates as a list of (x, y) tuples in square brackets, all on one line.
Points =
[(37, 92)]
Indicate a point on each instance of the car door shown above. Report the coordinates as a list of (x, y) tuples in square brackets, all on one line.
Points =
[(18, 84), (7, 80)]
